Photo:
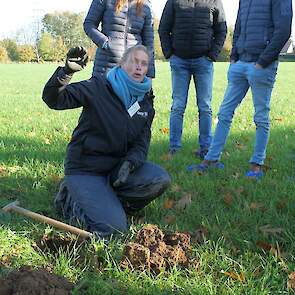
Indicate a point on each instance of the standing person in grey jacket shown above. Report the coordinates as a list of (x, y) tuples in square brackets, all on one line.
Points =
[(261, 31), (192, 33), (116, 25)]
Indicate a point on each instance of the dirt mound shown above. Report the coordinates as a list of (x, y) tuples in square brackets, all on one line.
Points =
[(53, 242), (34, 282), (156, 250)]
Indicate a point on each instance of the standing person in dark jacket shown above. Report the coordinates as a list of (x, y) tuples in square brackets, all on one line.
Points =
[(123, 24), (192, 33), (106, 173), (262, 28)]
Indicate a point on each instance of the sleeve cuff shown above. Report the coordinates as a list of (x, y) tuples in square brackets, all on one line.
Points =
[(263, 62), (63, 78)]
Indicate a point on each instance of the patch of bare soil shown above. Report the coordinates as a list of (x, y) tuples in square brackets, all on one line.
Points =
[(26, 281), (53, 242), (156, 250)]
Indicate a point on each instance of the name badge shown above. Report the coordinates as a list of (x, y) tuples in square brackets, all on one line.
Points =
[(133, 109)]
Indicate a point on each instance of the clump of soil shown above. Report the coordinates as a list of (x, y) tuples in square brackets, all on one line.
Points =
[(34, 282), (54, 241), (156, 250)]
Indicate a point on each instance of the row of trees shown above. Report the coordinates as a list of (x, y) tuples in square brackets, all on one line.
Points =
[(61, 31)]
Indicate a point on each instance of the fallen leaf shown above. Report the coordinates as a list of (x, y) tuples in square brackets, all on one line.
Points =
[(239, 191), (276, 251), (55, 178), (291, 281), (279, 119), (263, 245), (166, 157), (266, 167), (236, 175), (280, 205), (175, 188), (256, 206), (47, 141), (2, 170), (184, 202), (199, 235), (228, 199), (240, 146), (268, 230), (168, 204), (164, 130), (169, 219), (31, 134), (226, 154), (235, 276), (257, 271), (14, 169), (195, 264)]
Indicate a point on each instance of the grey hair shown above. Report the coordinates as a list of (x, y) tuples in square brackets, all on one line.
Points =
[(130, 51)]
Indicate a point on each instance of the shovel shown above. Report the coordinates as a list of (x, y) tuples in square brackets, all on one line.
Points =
[(14, 206)]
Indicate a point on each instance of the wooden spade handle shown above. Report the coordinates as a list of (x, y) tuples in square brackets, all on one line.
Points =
[(53, 222)]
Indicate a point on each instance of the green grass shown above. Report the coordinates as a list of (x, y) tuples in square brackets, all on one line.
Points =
[(33, 139)]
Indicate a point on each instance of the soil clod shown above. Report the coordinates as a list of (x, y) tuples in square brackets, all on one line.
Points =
[(156, 250), (26, 281)]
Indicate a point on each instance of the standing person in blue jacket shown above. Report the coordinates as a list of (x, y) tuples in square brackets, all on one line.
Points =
[(261, 31), (192, 33), (106, 172), (116, 25)]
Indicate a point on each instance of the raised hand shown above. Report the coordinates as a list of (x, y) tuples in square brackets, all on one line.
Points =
[(76, 60)]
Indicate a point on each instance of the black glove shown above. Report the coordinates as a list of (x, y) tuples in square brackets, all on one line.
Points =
[(76, 60), (123, 173)]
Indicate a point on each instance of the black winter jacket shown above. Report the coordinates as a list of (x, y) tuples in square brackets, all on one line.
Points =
[(105, 134), (261, 31), (122, 30), (192, 28)]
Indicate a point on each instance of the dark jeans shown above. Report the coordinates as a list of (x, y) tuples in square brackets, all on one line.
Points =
[(182, 70), (101, 208)]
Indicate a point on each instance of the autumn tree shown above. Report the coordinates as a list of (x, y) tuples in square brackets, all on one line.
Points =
[(51, 49), (26, 53), (11, 49), (67, 26), (227, 46), (3, 54), (157, 43)]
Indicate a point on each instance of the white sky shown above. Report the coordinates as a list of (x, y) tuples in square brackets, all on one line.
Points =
[(15, 14)]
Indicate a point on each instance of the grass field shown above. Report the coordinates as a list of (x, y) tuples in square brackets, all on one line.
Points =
[(249, 225)]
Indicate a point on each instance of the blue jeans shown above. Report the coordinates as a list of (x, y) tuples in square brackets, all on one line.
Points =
[(92, 200), (202, 71), (241, 77)]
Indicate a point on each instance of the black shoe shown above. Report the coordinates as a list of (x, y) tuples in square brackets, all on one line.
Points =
[(201, 154)]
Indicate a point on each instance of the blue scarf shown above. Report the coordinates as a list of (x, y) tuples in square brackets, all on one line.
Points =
[(128, 90)]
